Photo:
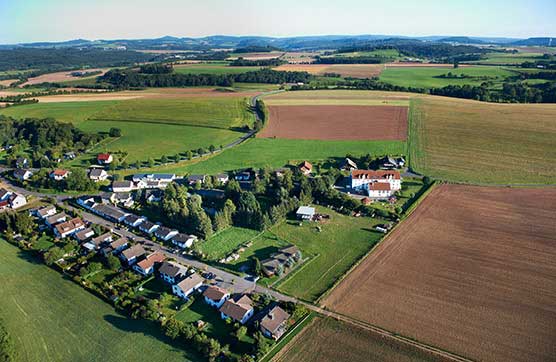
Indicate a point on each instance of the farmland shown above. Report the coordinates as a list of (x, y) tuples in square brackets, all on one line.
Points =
[(328, 340), (482, 285), (148, 122), (52, 319), (333, 250), (431, 77), (345, 70), (328, 122), (60, 77), (481, 142), (211, 68), (509, 58), (268, 152)]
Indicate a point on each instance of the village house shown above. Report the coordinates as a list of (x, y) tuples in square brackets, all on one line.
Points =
[(59, 174), (109, 212), (146, 266), (348, 165), (95, 243), (274, 323), (284, 258), (187, 286), (390, 163), (104, 158), (153, 195), (360, 179), (222, 178), (46, 211), (68, 228), (56, 218), (132, 254), (22, 174), (239, 309), (184, 240), (153, 180), (216, 296), (15, 201), (122, 198), (305, 213), (133, 220), (84, 235), (98, 174), (171, 272), (379, 190), (305, 167), (87, 202), (22, 162), (165, 233), (122, 186), (118, 245), (148, 227), (194, 179)]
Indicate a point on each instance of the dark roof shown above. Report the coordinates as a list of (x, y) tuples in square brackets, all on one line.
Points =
[(44, 210), (237, 308), (163, 231), (118, 243), (96, 172), (146, 225), (183, 237), (134, 251), (132, 219), (172, 270), (109, 211), (190, 282), (83, 234)]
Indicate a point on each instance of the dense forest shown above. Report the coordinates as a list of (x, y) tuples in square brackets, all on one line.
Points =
[(130, 78), (66, 58), (351, 60), (240, 62)]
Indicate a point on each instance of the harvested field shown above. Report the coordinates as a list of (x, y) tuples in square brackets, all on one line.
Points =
[(329, 340), (331, 122), (7, 82), (471, 271), (422, 65), (345, 70), (62, 77), (256, 56)]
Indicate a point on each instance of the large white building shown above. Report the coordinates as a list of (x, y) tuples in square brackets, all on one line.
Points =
[(377, 184)]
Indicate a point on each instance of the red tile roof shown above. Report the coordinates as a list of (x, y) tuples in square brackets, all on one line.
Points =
[(376, 175), (59, 172), (379, 186), (103, 156), (151, 260)]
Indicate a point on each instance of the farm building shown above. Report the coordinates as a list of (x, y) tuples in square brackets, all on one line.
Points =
[(348, 165), (305, 213)]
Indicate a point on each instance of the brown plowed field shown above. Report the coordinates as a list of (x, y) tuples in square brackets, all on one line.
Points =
[(62, 77), (471, 271), (326, 122)]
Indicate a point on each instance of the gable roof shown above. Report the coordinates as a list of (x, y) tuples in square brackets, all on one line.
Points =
[(103, 156), (52, 219), (274, 319), (190, 282), (215, 293), (150, 260), (163, 231), (96, 172), (379, 186), (306, 165), (236, 309), (172, 270), (133, 252), (118, 243), (122, 184), (43, 211), (84, 234), (59, 172), (69, 225)]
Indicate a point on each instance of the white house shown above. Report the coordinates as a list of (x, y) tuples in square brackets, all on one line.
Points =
[(165, 233), (305, 213), (184, 240), (359, 179), (133, 220), (59, 175), (122, 186), (98, 174), (46, 211), (104, 158), (68, 228), (56, 218), (274, 323), (146, 266), (22, 174), (239, 309), (379, 190), (16, 201), (171, 272), (222, 178), (148, 227), (132, 254), (187, 286), (216, 296)]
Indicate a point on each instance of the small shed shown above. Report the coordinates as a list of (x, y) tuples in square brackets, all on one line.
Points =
[(305, 213)]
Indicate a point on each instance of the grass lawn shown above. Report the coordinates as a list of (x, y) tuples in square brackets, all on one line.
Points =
[(150, 128), (342, 241), (477, 142), (53, 319), (425, 77), (212, 68), (508, 58), (329, 340), (226, 241), (267, 152), (215, 327)]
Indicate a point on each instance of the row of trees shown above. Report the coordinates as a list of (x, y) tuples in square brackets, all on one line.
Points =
[(241, 62), (129, 78)]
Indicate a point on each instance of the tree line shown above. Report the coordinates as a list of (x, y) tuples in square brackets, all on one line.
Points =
[(241, 62)]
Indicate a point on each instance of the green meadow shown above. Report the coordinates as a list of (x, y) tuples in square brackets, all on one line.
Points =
[(212, 68), (427, 77), (52, 319)]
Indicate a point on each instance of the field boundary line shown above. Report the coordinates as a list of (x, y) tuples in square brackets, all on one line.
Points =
[(358, 262)]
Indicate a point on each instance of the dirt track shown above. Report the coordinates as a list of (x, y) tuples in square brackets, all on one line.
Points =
[(337, 122), (471, 271)]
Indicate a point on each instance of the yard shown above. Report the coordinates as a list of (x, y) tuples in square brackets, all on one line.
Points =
[(226, 241), (52, 319), (342, 242)]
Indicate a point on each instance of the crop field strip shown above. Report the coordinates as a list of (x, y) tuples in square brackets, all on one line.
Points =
[(53, 319), (345, 70), (482, 285)]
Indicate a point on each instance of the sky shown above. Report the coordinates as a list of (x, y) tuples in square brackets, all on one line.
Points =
[(58, 20)]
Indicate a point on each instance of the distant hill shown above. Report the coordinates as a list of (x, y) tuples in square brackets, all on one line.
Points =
[(545, 42), (461, 40)]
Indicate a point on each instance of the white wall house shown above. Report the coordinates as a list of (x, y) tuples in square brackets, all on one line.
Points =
[(216, 296), (359, 179), (187, 286)]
